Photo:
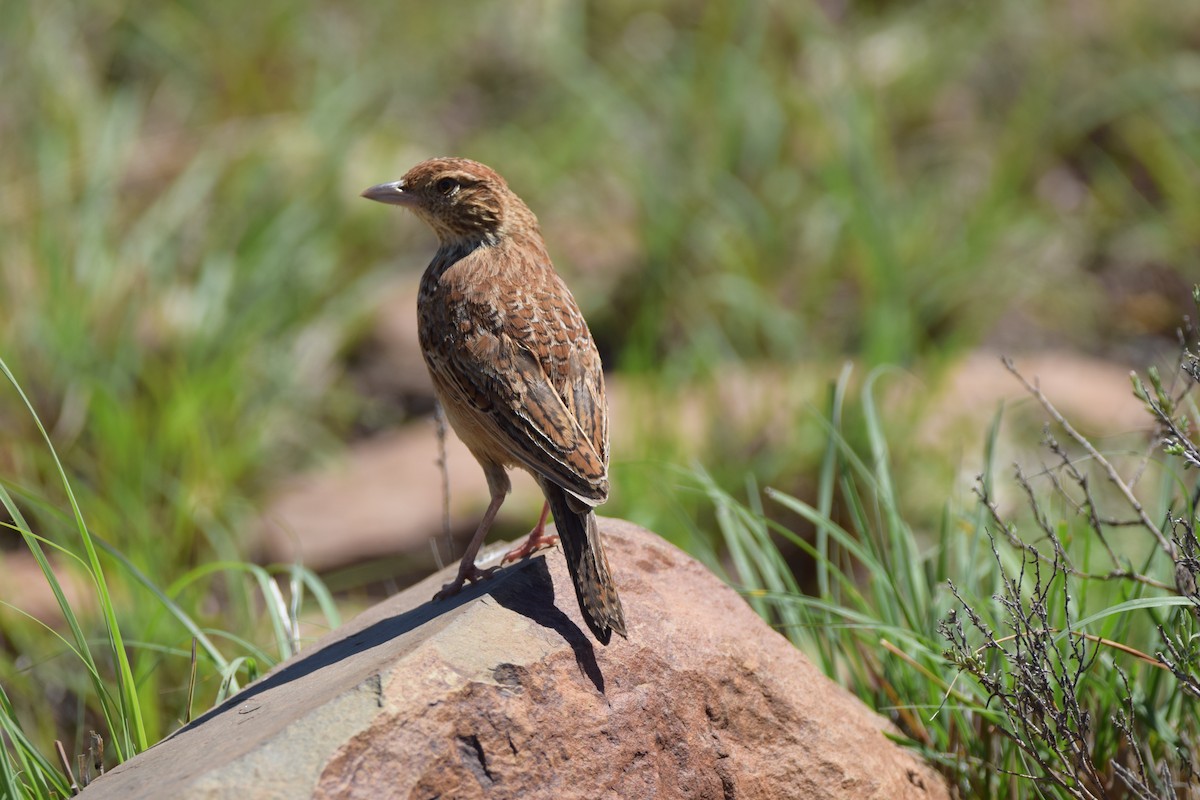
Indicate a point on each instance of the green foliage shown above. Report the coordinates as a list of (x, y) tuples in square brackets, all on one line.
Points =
[(120, 675), (731, 189), (1053, 655)]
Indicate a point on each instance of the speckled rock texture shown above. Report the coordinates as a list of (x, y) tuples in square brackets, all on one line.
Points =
[(502, 693)]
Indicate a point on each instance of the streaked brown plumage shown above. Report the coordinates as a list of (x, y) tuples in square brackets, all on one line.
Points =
[(514, 366)]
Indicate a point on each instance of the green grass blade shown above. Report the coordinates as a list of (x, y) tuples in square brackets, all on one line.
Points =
[(129, 735)]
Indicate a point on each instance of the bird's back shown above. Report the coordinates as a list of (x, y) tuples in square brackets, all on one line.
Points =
[(502, 335)]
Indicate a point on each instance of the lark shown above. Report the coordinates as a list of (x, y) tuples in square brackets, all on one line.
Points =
[(515, 368)]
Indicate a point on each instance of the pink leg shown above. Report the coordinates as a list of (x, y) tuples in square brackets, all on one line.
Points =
[(536, 541), (467, 571)]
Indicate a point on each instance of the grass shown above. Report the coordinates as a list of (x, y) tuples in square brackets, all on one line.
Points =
[(120, 671), (741, 197), (1048, 653)]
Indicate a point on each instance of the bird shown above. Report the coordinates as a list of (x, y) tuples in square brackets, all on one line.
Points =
[(514, 367)]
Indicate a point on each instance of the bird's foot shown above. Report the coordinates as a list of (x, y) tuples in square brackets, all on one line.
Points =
[(471, 574), (537, 540)]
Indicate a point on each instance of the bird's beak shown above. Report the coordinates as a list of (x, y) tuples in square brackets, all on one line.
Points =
[(392, 193)]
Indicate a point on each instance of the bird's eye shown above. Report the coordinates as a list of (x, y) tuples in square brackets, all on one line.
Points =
[(446, 185)]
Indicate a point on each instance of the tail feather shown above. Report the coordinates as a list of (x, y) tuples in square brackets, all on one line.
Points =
[(594, 588)]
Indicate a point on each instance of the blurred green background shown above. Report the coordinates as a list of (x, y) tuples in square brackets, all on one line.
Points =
[(188, 278)]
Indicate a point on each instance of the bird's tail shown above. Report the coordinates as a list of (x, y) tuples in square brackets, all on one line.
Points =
[(594, 588)]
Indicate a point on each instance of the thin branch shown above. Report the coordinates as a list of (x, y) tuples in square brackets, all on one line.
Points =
[(1015, 541), (1109, 469)]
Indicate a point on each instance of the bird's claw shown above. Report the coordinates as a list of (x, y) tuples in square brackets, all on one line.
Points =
[(535, 542), (471, 575)]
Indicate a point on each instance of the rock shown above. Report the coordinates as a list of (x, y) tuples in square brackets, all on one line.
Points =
[(1095, 395), (23, 581), (501, 693), (384, 496)]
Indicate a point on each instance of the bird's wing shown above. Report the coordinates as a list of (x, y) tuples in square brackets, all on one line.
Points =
[(528, 363)]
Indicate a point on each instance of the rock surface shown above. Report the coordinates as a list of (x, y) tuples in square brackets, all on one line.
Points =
[(501, 693)]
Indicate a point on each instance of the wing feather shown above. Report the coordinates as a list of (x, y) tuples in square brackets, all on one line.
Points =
[(526, 359)]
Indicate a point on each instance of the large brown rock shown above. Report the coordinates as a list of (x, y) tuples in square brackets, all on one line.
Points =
[(501, 693)]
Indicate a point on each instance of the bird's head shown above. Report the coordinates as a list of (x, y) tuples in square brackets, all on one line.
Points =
[(462, 200)]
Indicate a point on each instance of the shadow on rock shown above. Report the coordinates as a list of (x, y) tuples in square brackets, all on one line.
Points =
[(525, 588), (529, 591)]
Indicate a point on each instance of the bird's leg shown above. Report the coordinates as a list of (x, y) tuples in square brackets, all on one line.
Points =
[(467, 571), (536, 541)]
